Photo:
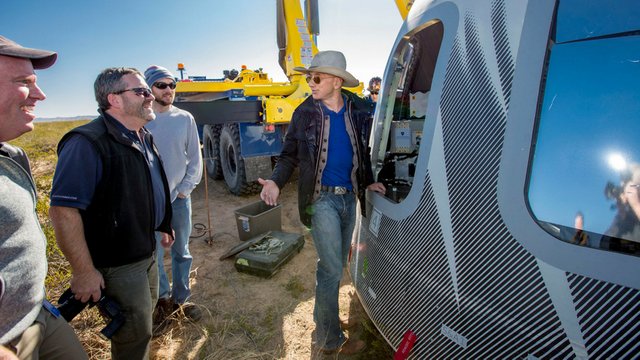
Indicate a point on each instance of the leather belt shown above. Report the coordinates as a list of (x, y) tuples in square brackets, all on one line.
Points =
[(338, 190)]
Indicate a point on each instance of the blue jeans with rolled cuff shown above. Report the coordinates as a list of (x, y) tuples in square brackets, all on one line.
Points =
[(332, 222)]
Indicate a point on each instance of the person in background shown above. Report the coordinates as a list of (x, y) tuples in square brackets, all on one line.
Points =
[(109, 196), (580, 237), (373, 89), (328, 140), (176, 136), (30, 327), (624, 232)]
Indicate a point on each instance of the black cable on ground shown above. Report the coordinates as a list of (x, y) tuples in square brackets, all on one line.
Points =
[(199, 230)]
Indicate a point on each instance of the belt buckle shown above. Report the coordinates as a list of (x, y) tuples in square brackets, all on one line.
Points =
[(340, 190)]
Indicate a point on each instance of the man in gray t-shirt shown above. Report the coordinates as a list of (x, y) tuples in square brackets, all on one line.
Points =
[(176, 136)]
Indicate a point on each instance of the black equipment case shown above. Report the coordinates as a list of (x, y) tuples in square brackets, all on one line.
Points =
[(268, 254)]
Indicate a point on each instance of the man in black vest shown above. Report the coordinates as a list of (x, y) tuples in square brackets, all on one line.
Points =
[(109, 195)]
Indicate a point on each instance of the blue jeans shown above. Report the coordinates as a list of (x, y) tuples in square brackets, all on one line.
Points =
[(181, 259), (332, 224)]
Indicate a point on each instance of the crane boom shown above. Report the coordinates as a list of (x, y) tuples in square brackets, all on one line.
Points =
[(294, 35), (404, 6), (244, 115)]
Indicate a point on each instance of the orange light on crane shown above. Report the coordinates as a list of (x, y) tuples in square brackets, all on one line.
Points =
[(181, 68)]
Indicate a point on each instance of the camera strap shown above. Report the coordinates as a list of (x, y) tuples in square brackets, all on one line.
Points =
[(50, 308)]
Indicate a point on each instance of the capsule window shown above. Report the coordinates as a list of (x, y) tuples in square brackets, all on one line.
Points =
[(584, 178)]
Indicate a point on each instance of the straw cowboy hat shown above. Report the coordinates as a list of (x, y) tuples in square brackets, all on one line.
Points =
[(333, 63)]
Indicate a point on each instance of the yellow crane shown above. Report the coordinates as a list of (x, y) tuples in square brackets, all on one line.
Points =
[(404, 6), (244, 114)]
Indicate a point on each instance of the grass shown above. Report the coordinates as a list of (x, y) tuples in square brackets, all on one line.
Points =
[(40, 145), (295, 287)]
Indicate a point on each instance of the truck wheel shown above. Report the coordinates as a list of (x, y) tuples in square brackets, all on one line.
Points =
[(233, 164), (211, 145)]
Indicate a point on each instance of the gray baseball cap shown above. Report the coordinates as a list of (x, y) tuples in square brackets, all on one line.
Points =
[(41, 59)]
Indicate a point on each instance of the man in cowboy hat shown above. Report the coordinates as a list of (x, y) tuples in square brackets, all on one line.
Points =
[(328, 140)]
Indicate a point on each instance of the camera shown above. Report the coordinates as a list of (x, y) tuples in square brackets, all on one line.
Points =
[(612, 191), (109, 309)]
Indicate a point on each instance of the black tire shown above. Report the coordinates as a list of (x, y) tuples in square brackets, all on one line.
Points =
[(232, 163), (211, 149)]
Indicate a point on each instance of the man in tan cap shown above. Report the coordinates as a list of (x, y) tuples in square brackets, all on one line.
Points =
[(328, 139), (30, 327)]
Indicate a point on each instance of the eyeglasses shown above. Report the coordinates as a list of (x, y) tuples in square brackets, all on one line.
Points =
[(162, 86), (316, 79), (374, 92), (140, 91)]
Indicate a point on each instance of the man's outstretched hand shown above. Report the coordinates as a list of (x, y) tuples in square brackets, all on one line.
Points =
[(270, 192)]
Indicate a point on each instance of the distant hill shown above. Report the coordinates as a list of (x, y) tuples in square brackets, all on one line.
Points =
[(69, 118)]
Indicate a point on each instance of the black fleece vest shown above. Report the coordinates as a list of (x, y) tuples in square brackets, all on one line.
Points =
[(119, 222)]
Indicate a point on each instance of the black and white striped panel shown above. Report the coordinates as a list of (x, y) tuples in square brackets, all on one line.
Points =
[(609, 317), (503, 298), (420, 282), (504, 52), (501, 307), (500, 288)]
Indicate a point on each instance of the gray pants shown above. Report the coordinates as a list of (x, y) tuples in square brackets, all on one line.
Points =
[(135, 288)]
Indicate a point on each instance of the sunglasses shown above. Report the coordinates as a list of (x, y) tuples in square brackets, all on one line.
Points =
[(140, 91), (316, 79), (162, 86), (374, 92)]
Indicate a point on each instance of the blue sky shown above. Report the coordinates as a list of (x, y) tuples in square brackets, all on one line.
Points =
[(207, 36)]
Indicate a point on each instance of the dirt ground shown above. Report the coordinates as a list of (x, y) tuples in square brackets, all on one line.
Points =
[(248, 317)]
